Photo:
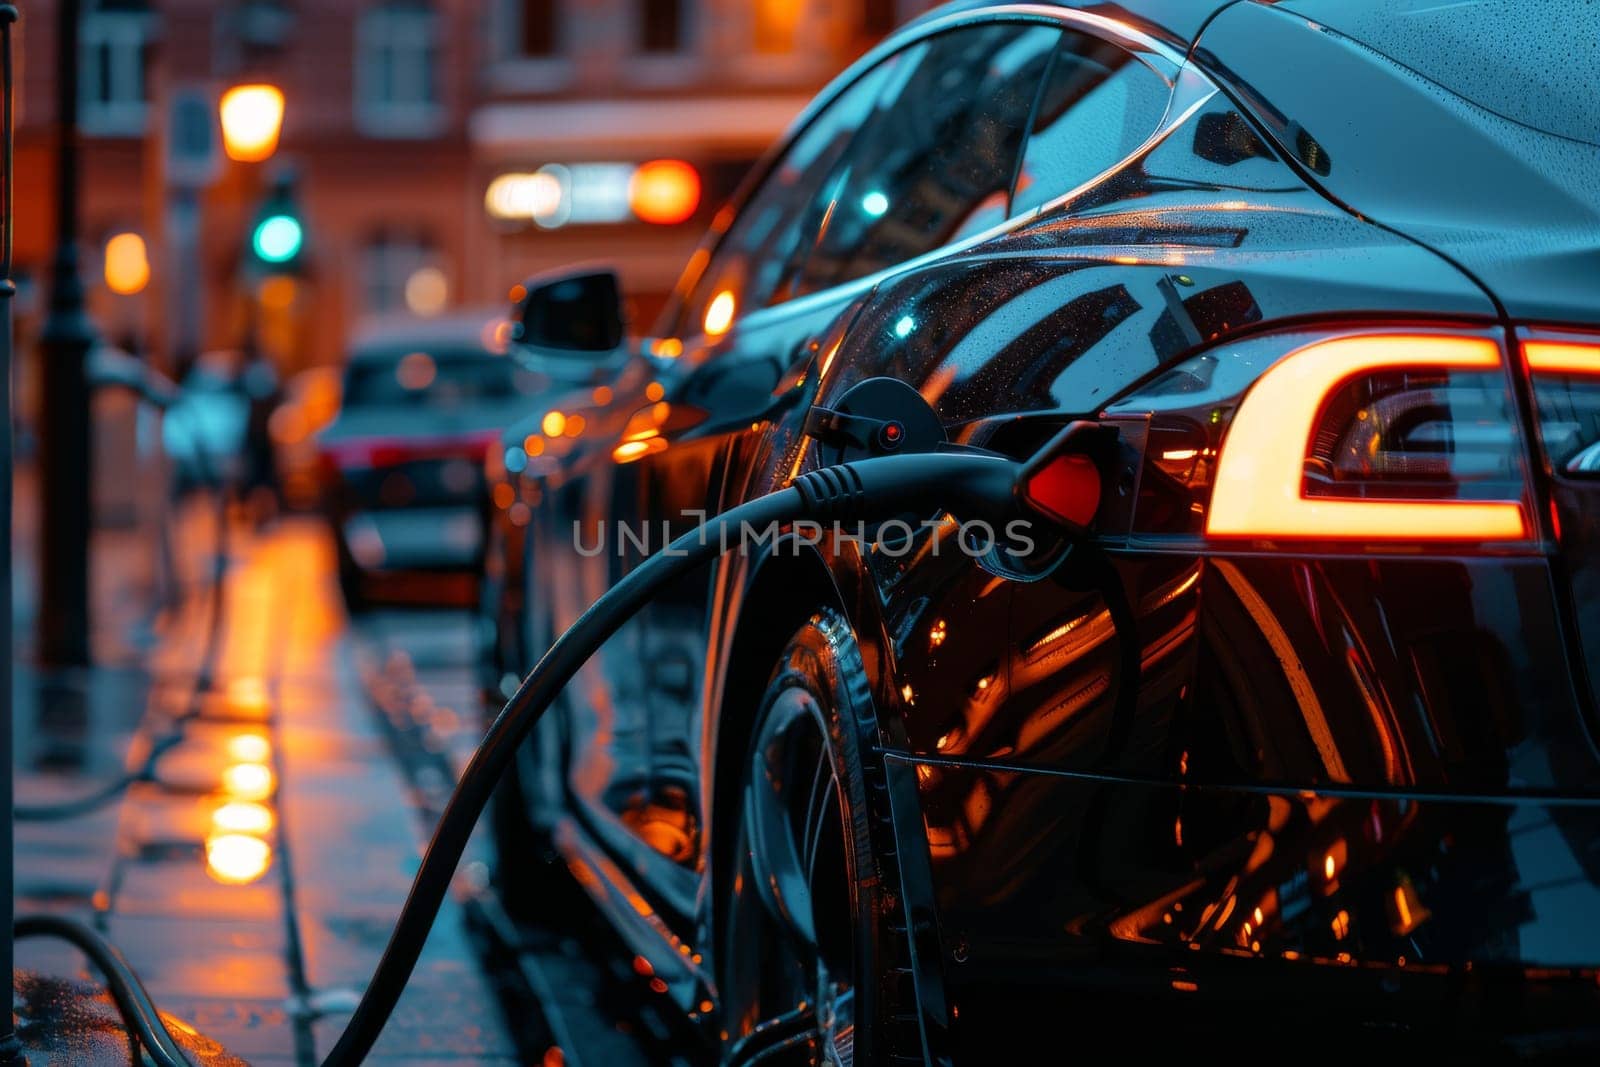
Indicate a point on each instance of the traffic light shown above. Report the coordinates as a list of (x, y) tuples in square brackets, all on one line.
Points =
[(277, 239), (278, 234)]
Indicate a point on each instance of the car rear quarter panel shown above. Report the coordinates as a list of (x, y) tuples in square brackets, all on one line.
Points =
[(1292, 709)]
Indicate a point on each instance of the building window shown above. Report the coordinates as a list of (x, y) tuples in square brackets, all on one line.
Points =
[(536, 28), (114, 45), (251, 34), (660, 25), (390, 262), (397, 70)]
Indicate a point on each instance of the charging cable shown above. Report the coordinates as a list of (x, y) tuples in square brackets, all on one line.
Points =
[(969, 485), (118, 370)]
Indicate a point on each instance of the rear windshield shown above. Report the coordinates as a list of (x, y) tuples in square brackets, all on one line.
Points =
[(1531, 61), (428, 378)]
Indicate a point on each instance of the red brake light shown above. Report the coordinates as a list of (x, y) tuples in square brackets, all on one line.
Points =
[(393, 451)]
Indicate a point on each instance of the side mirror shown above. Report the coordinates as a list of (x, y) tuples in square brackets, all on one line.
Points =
[(576, 312)]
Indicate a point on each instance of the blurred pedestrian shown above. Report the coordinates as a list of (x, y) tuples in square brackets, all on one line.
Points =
[(259, 488)]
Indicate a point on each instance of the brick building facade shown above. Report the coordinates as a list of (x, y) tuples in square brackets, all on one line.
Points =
[(399, 116)]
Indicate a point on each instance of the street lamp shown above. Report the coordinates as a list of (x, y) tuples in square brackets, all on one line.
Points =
[(251, 116), (127, 265)]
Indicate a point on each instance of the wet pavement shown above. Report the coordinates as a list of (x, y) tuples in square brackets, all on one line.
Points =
[(253, 881)]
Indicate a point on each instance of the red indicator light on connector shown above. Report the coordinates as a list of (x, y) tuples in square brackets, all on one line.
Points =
[(1066, 488)]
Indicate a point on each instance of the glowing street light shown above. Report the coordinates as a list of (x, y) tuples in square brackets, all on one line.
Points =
[(127, 267), (252, 115)]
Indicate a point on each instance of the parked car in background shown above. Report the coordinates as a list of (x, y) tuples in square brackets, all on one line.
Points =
[(598, 380), (421, 401), (1302, 741)]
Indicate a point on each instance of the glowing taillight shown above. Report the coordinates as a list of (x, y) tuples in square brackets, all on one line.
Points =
[(1266, 481), (383, 452), (1564, 369), (1342, 438), (1565, 357)]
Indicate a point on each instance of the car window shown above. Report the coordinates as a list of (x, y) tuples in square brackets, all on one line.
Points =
[(750, 260), (935, 160), (1099, 104), (432, 379)]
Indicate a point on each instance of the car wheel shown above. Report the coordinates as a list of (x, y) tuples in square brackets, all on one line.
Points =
[(810, 960)]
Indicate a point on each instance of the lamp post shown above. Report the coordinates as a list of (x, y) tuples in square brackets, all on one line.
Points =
[(10, 1045), (64, 343)]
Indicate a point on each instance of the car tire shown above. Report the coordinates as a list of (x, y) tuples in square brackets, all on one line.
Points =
[(812, 935)]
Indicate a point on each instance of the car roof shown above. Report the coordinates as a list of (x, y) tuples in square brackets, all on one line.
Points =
[(1529, 62), (1176, 21), (465, 332)]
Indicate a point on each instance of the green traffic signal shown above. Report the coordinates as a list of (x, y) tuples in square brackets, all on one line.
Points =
[(277, 238)]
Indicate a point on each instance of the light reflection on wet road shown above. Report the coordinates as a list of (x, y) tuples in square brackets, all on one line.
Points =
[(254, 883)]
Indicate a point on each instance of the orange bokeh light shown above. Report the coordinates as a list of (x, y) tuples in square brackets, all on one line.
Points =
[(127, 266), (248, 781), (628, 451), (247, 695), (664, 191), (237, 859), (243, 817), (719, 313), (249, 748)]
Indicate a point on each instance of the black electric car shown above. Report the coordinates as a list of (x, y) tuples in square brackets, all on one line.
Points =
[(1298, 742)]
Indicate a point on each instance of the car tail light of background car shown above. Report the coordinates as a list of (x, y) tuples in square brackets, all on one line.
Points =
[(1382, 438), (376, 453)]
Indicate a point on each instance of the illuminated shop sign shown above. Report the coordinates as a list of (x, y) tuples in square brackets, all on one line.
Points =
[(663, 191)]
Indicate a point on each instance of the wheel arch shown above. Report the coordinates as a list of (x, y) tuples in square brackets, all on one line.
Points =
[(777, 595), (784, 589)]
